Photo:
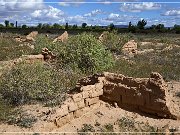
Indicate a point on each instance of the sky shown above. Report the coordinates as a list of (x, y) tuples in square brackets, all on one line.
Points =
[(92, 12)]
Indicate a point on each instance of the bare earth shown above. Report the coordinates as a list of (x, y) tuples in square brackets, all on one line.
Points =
[(102, 113)]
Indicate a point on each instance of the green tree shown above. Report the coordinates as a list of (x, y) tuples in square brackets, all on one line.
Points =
[(1, 25), (131, 28), (111, 26), (6, 22), (84, 25), (46, 26), (11, 24), (56, 26), (39, 26), (66, 26), (176, 28), (160, 26), (153, 26), (130, 25), (141, 24), (75, 26), (16, 24), (24, 26)]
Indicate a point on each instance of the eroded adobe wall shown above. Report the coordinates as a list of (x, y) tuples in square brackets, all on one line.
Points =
[(81, 100), (149, 95)]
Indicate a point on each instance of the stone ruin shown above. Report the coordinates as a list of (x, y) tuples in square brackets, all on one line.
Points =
[(48, 55), (146, 95), (29, 59), (44, 56), (61, 38), (130, 48), (29, 38), (103, 36)]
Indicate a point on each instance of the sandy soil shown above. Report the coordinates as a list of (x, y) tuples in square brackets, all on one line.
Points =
[(103, 113)]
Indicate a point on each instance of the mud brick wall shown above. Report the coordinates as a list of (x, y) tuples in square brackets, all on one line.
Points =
[(149, 95), (84, 99), (142, 94), (29, 59)]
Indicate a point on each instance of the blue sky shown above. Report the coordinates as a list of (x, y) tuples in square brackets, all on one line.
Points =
[(93, 12)]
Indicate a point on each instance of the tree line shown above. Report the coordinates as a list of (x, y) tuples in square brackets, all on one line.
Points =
[(140, 26)]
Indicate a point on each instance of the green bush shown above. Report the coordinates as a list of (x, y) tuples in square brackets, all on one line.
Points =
[(42, 41), (9, 49), (36, 82), (4, 110), (21, 119), (115, 42), (86, 128), (166, 63), (84, 52), (109, 128)]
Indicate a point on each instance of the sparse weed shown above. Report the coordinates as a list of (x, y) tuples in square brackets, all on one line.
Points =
[(9, 49), (126, 125), (5, 110), (166, 63), (109, 127), (21, 119), (85, 129)]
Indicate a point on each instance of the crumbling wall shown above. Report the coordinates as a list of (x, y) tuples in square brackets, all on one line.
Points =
[(29, 59), (81, 100), (149, 95)]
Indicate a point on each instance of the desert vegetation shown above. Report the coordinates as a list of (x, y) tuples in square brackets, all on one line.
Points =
[(47, 82)]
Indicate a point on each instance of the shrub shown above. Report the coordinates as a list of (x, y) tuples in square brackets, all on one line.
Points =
[(86, 128), (115, 42), (9, 49), (4, 110), (126, 124), (21, 119), (36, 82), (84, 52), (130, 125), (109, 127), (166, 63), (41, 42)]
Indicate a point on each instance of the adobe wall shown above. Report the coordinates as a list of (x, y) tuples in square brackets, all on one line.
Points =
[(81, 100), (149, 95)]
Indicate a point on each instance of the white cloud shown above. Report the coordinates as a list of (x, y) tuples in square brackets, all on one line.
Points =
[(117, 18), (174, 12), (78, 19), (138, 7), (93, 13), (108, 2), (113, 16), (20, 5), (66, 3), (17, 7), (29, 11), (47, 13)]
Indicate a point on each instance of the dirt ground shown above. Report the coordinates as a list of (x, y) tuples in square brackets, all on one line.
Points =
[(103, 114)]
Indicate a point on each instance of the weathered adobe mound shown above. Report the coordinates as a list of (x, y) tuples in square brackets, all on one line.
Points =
[(148, 95), (61, 38), (30, 37), (130, 48)]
